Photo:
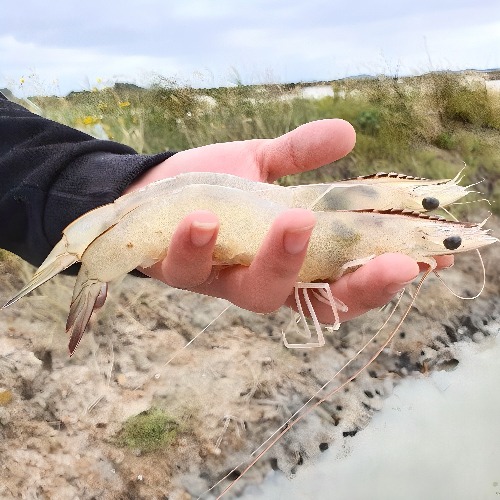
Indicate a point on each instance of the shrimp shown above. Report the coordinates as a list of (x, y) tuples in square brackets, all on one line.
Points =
[(393, 190), (342, 240), (378, 191)]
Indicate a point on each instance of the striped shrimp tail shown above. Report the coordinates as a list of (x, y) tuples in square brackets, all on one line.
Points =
[(89, 294)]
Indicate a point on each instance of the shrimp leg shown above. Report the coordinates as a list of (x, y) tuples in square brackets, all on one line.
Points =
[(323, 293)]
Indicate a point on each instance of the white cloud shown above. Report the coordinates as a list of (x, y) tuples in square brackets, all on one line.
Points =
[(201, 9), (73, 68), (292, 41)]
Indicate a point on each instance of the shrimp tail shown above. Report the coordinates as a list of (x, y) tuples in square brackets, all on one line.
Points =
[(89, 294), (58, 260)]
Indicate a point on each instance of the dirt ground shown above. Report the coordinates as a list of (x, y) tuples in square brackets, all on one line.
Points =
[(228, 391)]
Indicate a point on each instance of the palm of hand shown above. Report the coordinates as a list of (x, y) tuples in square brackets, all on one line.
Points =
[(268, 282)]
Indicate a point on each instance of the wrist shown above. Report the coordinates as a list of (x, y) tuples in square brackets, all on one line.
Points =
[(160, 171)]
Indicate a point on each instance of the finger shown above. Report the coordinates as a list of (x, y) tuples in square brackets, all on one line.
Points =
[(265, 285), (372, 285), (189, 258), (307, 147)]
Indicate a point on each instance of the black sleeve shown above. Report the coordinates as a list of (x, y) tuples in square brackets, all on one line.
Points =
[(51, 174)]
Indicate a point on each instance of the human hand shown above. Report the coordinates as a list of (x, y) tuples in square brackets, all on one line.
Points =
[(268, 283)]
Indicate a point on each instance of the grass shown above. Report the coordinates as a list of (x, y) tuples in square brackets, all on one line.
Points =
[(4, 255), (427, 125), (148, 431)]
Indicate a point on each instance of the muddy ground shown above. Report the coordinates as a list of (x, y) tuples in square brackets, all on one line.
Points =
[(227, 392)]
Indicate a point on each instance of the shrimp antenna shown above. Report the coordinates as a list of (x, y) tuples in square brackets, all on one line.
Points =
[(300, 414), (458, 296), (280, 431), (458, 178), (156, 375), (468, 202), (461, 296), (474, 184)]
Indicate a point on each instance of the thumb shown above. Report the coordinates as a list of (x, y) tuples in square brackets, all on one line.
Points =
[(307, 147)]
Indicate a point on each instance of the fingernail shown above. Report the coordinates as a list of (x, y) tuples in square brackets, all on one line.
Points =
[(396, 287), (202, 232), (296, 241)]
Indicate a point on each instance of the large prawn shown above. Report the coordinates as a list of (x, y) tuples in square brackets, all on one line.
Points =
[(378, 192), (135, 231)]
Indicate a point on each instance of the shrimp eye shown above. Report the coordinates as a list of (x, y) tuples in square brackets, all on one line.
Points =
[(430, 203), (452, 242)]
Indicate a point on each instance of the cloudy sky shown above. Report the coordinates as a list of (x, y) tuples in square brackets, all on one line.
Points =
[(65, 45)]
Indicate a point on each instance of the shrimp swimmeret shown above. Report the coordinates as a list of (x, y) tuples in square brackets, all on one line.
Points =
[(136, 230)]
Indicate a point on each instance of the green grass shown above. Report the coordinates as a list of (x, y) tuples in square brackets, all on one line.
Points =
[(5, 256), (148, 431), (427, 125)]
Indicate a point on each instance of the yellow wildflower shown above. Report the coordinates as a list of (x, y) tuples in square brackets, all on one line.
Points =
[(90, 120)]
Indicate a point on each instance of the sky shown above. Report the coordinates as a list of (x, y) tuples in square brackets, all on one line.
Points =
[(63, 45)]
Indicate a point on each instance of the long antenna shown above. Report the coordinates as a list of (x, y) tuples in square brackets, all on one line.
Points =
[(300, 414)]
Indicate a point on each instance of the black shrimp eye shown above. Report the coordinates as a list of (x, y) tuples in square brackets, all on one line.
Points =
[(430, 203), (452, 242)]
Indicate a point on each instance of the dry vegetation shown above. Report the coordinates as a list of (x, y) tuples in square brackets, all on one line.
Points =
[(427, 125)]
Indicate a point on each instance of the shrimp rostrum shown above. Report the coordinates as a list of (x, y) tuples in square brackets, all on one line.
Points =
[(136, 230)]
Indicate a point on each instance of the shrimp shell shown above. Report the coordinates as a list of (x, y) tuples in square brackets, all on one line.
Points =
[(141, 233), (378, 191)]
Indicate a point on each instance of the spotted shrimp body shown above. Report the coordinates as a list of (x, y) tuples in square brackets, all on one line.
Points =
[(342, 240), (379, 191)]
